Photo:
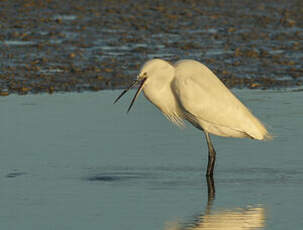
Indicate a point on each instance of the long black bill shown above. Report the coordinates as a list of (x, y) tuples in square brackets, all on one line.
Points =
[(136, 95), (128, 88)]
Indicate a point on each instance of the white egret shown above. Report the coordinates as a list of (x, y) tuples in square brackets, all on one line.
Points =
[(188, 90)]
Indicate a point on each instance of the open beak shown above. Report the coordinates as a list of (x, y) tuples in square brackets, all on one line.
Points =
[(137, 93)]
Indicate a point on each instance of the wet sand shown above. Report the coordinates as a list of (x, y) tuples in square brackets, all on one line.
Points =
[(49, 46)]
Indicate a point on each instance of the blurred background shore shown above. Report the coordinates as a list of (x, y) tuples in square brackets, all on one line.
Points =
[(55, 46)]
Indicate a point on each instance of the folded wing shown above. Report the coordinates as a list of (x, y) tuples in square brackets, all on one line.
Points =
[(208, 104)]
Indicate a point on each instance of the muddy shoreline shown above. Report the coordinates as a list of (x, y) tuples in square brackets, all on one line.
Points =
[(58, 46)]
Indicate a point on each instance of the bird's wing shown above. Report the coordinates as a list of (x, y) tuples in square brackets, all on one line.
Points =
[(205, 98)]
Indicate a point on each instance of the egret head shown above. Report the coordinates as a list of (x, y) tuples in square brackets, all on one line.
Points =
[(149, 70)]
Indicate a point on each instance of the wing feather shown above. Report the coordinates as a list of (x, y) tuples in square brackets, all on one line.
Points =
[(208, 103)]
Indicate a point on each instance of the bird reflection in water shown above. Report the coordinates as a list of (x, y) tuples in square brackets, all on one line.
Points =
[(228, 219)]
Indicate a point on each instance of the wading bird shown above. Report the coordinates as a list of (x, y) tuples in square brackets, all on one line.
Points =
[(188, 90)]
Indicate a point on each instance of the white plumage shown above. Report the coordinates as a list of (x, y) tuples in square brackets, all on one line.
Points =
[(210, 105), (188, 90)]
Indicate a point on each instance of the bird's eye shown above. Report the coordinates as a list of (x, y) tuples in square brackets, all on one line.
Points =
[(143, 75)]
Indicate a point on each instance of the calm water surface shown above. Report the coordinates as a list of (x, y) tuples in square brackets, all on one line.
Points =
[(76, 161)]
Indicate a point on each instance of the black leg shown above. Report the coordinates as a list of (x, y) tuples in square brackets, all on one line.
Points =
[(211, 156), (210, 188), (211, 193)]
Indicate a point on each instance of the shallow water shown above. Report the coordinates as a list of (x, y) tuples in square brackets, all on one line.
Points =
[(76, 161)]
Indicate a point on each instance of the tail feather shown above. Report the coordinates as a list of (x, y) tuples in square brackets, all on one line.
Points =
[(259, 131), (267, 136)]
